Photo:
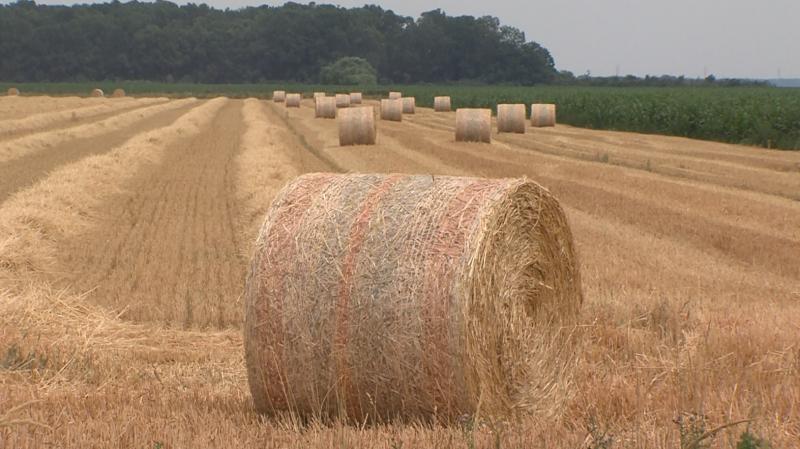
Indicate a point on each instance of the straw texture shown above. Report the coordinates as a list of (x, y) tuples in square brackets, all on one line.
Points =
[(395, 95), (441, 104), (279, 96), (12, 92), (511, 118), (392, 110), (474, 125), (325, 107), (356, 98), (357, 126), (293, 100), (385, 296), (118, 93), (543, 115), (409, 105), (342, 100), (97, 93)]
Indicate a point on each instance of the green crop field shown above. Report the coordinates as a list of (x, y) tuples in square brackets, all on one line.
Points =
[(768, 117)]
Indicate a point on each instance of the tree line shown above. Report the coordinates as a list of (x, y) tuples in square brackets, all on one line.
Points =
[(162, 41)]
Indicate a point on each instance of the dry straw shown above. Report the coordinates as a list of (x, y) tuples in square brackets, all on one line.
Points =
[(325, 107), (12, 92), (97, 93), (342, 100), (293, 100), (474, 125), (279, 96), (318, 94), (511, 118), (409, 105), (118, 93), (392, 110), (407, 296), (357, 126), (441, 104), (543, 115), (356, 98), (395, 95)]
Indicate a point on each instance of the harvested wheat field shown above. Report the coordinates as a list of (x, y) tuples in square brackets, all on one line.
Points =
[(126, 236)]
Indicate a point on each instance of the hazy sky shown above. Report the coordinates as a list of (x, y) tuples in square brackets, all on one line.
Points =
[(729, 38)]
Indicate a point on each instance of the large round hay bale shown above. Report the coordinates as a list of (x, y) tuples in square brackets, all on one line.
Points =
[(474, 125), (356, 98), (395, 95), (511, 118), (293, 100), (318, 94), (97, 93), (392, 110), (118, 93), (409, 105), (385, 296), (441, 104), (342, 100), (357, 126), (543, 115), (325, 107), (12, 92), (279, 96)]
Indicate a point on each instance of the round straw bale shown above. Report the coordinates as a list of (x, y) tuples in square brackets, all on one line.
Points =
[(511, 118), (409, 105), (395, 95), (279, 96), (441, 104), (387, 296), (293, 100), (342, 100), (98, 93), (355, 98), (392, 110), (12, 92), (325, 107), (118, 93), (474, 125), (543, 115), (318, 94), (357, 126)]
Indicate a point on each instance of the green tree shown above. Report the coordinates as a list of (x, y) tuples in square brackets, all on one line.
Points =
[(349, 70)]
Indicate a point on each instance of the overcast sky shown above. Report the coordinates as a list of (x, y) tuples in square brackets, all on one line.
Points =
[(729, 38)]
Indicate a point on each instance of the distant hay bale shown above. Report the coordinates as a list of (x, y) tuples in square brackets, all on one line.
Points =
[(441, 104), (355, 98), (409, 105), (118, 93), (12, 92), (474, 125), (543, 115), (392, 110), (511, 118), (342, 100), (97, 93), (325, 107), (357, 126), (293, 100), (318, 94), (407, 296), (395, 95), (279, 96)]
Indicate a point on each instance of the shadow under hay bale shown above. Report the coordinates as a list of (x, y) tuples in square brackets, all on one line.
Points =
[(511, 118), (406, 296), (357, 126), (543, 115), (392, 110), (441, 104), (325, 107), (474, 125)]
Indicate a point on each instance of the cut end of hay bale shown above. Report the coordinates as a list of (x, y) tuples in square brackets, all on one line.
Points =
[(97, 93), (543, 115), (357, 126), (325, 107), (356, 98), (386, 296), (392, 110), (511, 118), (474, 125), (395, 95), (279, 96), (342, 100), (293, 100), (12, 92), (409, 105), (441, 104), (118, 93)]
